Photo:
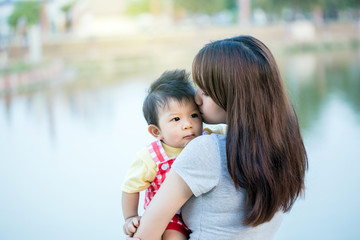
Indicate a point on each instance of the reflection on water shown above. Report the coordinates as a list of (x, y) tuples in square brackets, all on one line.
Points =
[(64, 153), (314, 79), (63, 158), (327, 100)]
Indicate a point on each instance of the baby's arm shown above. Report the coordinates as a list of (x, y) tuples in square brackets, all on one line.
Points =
[(130, 202), (173, 193)]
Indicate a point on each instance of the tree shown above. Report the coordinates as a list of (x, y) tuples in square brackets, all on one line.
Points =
[(136, 7), (276, 6), (203, 6), (66, 9), (29, 11), (25, 19)]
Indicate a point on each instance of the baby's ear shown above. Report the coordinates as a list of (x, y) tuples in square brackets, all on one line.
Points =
[(155, 131)]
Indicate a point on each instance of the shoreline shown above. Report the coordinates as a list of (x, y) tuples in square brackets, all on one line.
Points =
[(108, 57), (276, 36)]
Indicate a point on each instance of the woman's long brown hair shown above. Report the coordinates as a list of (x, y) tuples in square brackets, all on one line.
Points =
[(264, 147)]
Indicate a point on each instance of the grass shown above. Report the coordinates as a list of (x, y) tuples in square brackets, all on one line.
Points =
[(18, 67)]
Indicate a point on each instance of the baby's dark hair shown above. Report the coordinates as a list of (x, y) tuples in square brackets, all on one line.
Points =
[(170, 85)]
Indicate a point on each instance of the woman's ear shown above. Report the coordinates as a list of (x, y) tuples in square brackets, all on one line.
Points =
[(155, 131)]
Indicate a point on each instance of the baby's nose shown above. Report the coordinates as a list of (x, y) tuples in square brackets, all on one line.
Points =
[(187, 123)]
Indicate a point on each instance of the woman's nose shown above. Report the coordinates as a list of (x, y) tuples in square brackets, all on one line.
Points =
[(198, 98)]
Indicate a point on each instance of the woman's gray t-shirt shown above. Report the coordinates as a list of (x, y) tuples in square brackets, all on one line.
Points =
[(217, 208)]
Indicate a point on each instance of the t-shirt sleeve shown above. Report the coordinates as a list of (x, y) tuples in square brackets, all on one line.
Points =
[(199, 164), (141, 173)]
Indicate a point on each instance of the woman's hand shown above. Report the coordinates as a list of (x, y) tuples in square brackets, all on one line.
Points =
[(130, 226)]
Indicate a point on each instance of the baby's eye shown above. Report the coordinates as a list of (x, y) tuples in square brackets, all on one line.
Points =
[(175, 119), (194, 115)]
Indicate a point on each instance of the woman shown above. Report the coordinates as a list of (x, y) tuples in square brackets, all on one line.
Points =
[(235, 186)]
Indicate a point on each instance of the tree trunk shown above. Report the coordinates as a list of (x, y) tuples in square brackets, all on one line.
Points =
[(244, 12)]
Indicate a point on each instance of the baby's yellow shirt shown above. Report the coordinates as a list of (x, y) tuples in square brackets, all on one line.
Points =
[(143, 169)]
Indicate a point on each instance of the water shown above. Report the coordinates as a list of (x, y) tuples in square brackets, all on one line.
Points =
[(64, 153), (328, 103), (62, 162)]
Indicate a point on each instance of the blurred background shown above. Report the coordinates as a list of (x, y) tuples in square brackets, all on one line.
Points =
[(73, 75)]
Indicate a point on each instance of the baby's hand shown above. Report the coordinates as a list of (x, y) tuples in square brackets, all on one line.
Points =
[(131, 224)]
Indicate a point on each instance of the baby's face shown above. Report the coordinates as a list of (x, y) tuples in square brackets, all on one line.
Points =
[(179, 123)]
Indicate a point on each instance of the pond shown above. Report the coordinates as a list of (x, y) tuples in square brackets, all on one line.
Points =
[(64, 152)]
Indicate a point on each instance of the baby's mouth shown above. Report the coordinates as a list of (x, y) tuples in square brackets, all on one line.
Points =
[(189, 136)]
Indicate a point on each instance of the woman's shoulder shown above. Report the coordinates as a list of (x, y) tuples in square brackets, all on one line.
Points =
[(205, 145), (211, 139), (199, 164)]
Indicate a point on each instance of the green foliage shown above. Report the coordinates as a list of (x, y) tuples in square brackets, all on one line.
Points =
[(19, 67), (277, 5), (304, 5), (203, 6), (67, 7), (28, 10), (347, 4), (136, 7), (231, 4), (266, 5)]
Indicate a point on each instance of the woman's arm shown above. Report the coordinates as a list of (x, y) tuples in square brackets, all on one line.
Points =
[(173, 193)]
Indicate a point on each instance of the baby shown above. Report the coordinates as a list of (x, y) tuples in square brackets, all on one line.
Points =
[(174, 120)]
